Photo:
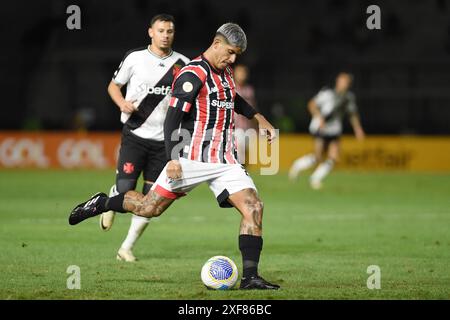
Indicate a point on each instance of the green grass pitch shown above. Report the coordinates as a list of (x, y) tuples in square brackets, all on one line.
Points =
[(317, 244)]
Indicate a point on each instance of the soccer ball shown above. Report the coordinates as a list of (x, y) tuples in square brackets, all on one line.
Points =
[(219, 273)]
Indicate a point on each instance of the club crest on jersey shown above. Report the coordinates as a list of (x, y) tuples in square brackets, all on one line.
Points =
[(187, 86), (176, 69), (128, 167)]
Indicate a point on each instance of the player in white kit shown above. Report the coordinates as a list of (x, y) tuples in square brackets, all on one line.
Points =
[(148, 73), (328, 109)]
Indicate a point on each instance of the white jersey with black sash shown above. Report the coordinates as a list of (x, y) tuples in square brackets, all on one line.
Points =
[(333, 107), (148, 80)]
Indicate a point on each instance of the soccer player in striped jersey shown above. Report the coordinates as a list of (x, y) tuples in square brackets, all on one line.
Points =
[(148, 74), (328, 109), (201, 148)]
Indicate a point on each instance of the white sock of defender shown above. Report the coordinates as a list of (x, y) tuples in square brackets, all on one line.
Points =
[(137, 227), (301, 164), (322, 171)]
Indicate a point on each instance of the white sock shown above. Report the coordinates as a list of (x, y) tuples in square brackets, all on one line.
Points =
[(137, 227), (303, 163), (322, 170)]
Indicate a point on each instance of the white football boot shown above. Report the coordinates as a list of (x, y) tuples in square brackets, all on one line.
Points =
[(125, 255), (316, 184), (293, 173), (107, 218)]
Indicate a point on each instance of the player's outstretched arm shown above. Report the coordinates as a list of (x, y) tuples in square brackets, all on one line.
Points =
[(171, 124), (266, 127), (356, 125), (315, 113), (242, 107)]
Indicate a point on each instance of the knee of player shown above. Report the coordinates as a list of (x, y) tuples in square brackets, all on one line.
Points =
[(259, 205), (255, 205)]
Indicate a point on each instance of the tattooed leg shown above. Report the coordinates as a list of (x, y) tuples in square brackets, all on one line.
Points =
[(250, 235), (150, 205), (251, 209)]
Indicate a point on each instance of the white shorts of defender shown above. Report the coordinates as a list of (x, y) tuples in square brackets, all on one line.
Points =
[(222, 179)]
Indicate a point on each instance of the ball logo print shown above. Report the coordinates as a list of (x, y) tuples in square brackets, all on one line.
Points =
[(220, 270), (219, 273)]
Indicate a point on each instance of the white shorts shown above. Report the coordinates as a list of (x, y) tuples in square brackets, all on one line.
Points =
[(223, 180)]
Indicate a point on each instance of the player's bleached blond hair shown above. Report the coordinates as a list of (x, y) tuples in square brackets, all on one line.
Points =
[(234, 34)]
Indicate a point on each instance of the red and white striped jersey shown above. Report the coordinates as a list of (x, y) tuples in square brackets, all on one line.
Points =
[(208, 99)]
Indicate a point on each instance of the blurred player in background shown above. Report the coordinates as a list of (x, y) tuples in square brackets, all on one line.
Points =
[(203, 104), (148, 73), (327, 109), (246, 91)]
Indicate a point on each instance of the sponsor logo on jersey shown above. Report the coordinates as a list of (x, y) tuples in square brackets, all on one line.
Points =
[(162, 90), (222, 104)]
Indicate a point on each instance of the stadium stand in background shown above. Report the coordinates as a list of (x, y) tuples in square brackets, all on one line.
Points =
[(57, 77)]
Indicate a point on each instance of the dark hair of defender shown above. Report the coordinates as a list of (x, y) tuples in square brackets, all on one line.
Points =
[(162, 17)]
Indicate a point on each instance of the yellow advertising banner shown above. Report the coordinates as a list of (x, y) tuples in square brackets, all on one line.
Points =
[(405, 153), (99, 150)]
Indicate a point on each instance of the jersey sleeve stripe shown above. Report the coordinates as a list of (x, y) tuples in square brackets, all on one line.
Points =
[(168, 194), (197, 70), (177, 103), (186, 107), (173, 102)]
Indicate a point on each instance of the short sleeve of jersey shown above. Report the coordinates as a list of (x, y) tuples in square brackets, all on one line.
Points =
[(185, 59), (185, 90), (321, 97), (124, 72)]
